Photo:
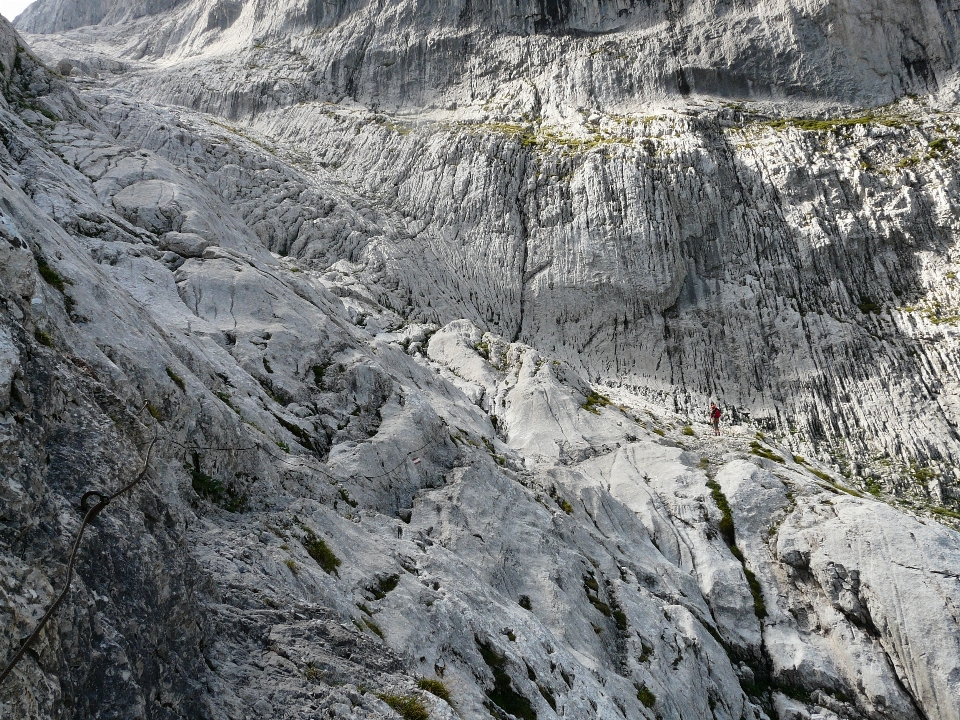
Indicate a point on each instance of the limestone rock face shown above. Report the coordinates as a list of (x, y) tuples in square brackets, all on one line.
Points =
[(420, 397), (535, 169), (58, 16), (574, 52)]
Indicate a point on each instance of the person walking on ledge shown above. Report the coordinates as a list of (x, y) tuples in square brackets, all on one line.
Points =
[(715, 414)]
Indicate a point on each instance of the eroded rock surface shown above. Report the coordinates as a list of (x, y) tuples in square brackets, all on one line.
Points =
[(421, 398)]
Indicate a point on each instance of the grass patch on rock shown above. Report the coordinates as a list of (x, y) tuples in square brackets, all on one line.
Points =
[(409, 707), (384, 586), (178, 381), (204, 485), (434, 687), (51, 276), (828, 124), (760, 451), (318, 549), (595, 401), (302, 436), (373, 627), (646, 696), (944, 512), (728, 533), (868, 306)]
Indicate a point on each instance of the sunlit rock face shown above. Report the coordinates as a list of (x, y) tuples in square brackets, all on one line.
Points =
[(412, 311), (411, 53)]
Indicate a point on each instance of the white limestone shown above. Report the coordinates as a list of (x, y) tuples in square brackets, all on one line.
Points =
[(470, 350)]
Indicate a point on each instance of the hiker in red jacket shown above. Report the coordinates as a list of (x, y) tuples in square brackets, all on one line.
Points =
[(715, 414)]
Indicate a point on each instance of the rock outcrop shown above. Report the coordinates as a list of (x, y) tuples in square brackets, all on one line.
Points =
[(688, 249), (419, 399), (572, 52)]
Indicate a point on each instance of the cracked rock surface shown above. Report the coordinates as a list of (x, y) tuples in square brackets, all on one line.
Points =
[(413, 335)]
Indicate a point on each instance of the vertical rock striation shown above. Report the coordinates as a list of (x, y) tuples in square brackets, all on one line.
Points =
[(416, 306)]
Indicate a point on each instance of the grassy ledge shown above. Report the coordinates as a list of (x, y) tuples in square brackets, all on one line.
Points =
[(728, 533)]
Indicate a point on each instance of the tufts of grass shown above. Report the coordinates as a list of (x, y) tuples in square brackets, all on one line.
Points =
[(51, 276), (226, 400), (236, 502), (944, 512), (845, 489), (561, 501), (827, 479), (645, 696), (817, 125), (868, 306), (373, 626), (434, 687), (592, 588), (687, 430), (44, 338), (318, 371), (292, 564), (178, 381), (302, 436), (345, 496), (600, 605), (594, 402), (204, 485), (318, 549), (922, 474), (759, 606), (548, 695), (384, 586), (229, 497), (646, 652), (760, 451), (728, 533), (408, 707)]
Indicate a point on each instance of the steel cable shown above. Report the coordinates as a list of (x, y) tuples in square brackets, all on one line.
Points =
[(92, 511)]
